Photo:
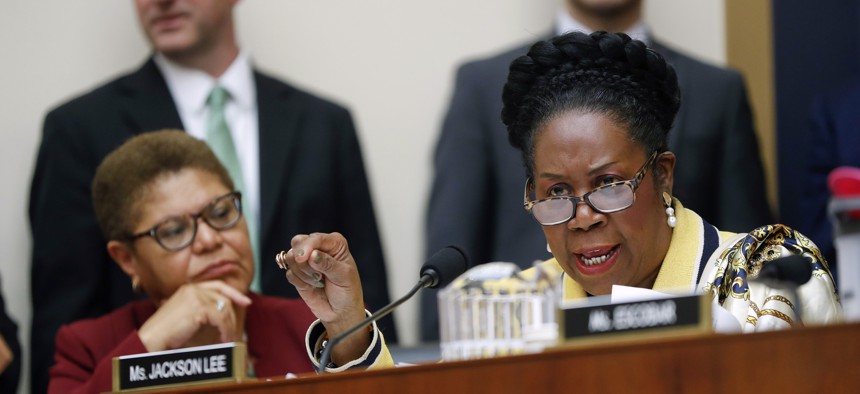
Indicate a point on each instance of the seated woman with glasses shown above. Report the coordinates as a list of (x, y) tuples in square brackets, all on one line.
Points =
[(591, 115), (175, 226)]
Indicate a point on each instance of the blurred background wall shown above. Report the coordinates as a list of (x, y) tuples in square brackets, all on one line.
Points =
[(391, 62)]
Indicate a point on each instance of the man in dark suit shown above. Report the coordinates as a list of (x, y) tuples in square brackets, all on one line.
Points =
[(477, 193), (299, 154), (832, 142)]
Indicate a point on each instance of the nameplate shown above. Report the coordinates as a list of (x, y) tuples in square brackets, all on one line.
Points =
[(603, 321), (194, 365)]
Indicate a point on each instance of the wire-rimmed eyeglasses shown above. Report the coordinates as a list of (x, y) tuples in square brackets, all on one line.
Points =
[(613, 197)]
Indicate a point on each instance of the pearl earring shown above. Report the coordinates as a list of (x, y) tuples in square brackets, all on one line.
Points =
[(672, 221), (548, 249)]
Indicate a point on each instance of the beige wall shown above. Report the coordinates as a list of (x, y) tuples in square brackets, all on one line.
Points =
[(697, 27), (391, 62)]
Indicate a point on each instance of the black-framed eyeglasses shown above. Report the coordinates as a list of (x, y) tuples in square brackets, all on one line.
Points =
[(613, 197), (177, 232)]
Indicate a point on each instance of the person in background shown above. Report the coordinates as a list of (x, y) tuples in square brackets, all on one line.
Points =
[(832, 142), (175, 226), (591, 116), (10, 352), (295, 157), (713, 136)]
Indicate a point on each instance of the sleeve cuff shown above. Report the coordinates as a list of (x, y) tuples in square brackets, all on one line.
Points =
[(376, 355)]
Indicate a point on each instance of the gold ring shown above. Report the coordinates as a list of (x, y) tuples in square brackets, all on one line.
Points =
[(281, 259)]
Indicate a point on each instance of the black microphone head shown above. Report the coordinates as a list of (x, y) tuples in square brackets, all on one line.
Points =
[(445, 265), (794, 270)]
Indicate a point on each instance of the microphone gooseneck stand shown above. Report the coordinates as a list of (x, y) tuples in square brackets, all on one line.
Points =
[(426, 281)]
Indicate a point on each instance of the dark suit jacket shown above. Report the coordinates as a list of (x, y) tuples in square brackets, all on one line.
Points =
[(9, 330), (834, 140), (477, 192), (275, 327), (312, 180)]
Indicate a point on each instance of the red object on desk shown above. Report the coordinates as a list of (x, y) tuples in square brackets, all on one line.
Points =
[(844, 182)]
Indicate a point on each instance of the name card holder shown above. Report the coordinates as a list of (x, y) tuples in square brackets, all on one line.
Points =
[(219, 363), (600, 321)]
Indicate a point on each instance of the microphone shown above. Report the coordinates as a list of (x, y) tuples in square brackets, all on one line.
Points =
[(785, 272), (439, 270)]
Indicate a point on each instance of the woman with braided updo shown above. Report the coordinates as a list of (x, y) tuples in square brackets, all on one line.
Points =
[(591, 115)]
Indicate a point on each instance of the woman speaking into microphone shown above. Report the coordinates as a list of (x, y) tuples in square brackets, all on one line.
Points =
[(591, 115)]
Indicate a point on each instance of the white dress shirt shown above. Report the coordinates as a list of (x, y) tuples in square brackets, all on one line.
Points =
[(565, 23), (190, 90)]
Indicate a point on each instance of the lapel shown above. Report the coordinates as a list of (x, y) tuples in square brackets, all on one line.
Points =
[(278, 116), (675, 59), (146, 103), (680, 267)]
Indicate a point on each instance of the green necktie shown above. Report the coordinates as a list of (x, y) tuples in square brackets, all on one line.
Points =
[(221, 141)]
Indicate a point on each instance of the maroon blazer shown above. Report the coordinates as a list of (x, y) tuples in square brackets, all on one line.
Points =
[(276, 330)]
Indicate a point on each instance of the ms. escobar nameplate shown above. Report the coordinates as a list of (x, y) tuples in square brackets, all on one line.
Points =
[(222, 362), (676, 315)]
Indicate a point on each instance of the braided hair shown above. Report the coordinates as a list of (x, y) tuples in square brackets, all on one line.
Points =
[(607, 73)]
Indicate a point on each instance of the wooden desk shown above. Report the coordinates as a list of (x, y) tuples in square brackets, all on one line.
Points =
[(810, 360)]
